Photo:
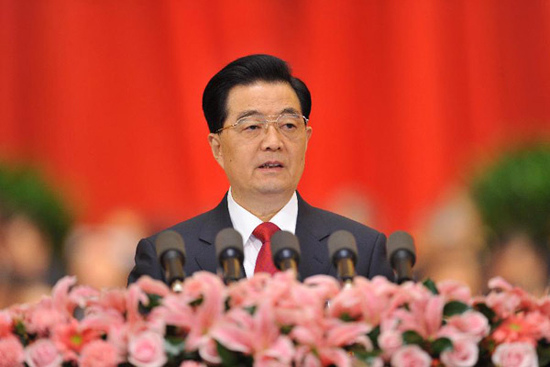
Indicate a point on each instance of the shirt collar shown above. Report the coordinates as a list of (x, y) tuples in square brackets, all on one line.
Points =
[(245, 222)]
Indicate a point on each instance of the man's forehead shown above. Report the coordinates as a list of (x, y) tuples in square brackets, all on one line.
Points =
[(255, 97)]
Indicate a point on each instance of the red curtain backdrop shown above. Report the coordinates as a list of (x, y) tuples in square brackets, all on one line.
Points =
[(407, 95)]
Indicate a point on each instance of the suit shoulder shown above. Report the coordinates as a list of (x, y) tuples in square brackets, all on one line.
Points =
[(192, 227), (336, 222)]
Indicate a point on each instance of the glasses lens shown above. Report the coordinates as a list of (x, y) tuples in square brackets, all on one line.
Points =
[(250, 127), (290, 125)]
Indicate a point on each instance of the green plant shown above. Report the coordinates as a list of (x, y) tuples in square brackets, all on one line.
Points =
[(513, 194)]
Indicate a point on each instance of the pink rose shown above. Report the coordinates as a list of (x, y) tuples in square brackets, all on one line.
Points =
[(98, 353), (43, 318), (411, 356), (43, 353), (515, 355), (472, 323), (504, 304), (390, 341), (146, 349), (464, 354), (11, 352)]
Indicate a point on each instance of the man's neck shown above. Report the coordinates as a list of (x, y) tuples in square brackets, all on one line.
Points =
[(262, 206)]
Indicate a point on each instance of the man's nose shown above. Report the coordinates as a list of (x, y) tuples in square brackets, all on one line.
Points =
[(272, 138)]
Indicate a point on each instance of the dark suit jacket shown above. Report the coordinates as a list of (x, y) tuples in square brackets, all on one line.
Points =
[(313, 228)]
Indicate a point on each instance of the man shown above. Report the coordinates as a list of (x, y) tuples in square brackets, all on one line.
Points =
[(257, 113)]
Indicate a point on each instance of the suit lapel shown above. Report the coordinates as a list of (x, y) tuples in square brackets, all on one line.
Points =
[(216, 220), (312, 232)]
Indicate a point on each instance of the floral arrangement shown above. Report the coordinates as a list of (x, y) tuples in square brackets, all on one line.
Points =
[(278, 321)]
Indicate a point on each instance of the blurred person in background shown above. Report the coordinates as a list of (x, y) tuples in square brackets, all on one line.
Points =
[(520, 262), (452, 241), (102, 255), (33, 225)]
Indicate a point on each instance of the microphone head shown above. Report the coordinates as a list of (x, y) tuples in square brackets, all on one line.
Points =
[(284, 240), (229, 238), (170, 240), (342, 240), (401, 240)]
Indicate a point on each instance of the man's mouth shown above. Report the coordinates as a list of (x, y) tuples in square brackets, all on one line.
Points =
[(268, 165)]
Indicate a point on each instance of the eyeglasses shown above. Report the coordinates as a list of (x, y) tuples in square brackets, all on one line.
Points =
[(250, 127)]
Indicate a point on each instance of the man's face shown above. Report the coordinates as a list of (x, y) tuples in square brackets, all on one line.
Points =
[(271, 163)]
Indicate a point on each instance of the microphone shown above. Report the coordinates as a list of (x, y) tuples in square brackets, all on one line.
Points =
[(171, 254), (229, 252), (401, 255), (343, 252), (285, 248)]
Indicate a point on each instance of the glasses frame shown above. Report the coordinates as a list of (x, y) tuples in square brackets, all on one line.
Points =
[(268, 120)]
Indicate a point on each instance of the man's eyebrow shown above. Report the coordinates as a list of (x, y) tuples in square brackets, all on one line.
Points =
[(247, 113), (290, 110)]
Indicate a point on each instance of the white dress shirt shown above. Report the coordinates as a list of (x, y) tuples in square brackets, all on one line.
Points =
[(245, 223)]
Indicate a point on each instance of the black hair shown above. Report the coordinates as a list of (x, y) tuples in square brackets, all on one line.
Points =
[(245, 71)]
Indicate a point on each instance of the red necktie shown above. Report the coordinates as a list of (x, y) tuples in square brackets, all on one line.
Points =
[(264, 262)]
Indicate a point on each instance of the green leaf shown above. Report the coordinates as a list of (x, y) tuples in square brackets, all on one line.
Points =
[(543, 353), (373, 335), (154, 300), (21, 332), (486, 311), (232, 358), (251, 310), (412, 337), (229, 358), (430, 284), (20, 328), (174, 345), (196, 302), (440, 345), (365, 356), (455, 308), (346, 317), (286, 329)]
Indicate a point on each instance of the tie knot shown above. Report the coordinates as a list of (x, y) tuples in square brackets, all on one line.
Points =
[(265, 230)]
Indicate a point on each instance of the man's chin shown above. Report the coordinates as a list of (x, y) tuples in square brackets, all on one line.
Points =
[(274, 189)]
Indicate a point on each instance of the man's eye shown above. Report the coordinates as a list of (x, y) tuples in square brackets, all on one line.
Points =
[(289, 126), (251, 126)]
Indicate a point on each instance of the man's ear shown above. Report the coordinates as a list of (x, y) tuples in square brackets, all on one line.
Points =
[(216, 146), (309, 130)]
